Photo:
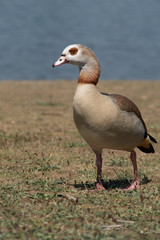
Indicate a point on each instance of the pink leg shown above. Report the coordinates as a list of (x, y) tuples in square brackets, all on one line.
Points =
[(99, 185), (135, 183)]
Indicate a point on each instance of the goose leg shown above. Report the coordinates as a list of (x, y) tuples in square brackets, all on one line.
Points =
[(135, 183), (99, 185)]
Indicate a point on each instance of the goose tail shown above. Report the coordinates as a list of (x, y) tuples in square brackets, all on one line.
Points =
[(146, 145)]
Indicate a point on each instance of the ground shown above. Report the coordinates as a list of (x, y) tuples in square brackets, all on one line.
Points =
[(47, 169)]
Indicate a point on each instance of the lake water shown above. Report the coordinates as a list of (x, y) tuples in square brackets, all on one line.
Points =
[(124, 34)]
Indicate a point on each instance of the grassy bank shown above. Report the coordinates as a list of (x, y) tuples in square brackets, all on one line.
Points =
[(47, 168)]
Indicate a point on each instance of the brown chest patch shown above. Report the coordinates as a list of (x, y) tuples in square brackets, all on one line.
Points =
[(73, 51)]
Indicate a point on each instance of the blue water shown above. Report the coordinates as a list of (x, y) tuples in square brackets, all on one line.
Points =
[(124, 34)]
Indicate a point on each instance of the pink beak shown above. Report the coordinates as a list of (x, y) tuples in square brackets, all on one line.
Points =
[(60, 61)]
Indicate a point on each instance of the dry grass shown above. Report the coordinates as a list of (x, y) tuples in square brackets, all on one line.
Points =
[(47, 168)]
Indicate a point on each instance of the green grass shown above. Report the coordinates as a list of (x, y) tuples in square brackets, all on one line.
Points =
[(45, 209), (47, 171)]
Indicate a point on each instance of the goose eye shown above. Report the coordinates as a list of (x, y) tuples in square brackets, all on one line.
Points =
[(73, 51)]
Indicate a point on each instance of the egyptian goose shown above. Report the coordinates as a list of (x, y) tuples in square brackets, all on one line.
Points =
[(104, 120)]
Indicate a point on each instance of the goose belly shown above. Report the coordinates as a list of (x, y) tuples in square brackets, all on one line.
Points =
[(102, 123), (121, 131)]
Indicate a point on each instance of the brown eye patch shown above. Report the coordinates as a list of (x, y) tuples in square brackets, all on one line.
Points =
[(73, 51)]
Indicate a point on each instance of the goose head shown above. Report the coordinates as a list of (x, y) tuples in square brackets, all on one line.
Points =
[(84, 58)]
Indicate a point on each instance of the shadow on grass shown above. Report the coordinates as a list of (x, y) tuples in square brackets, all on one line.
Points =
[(111, 184)]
